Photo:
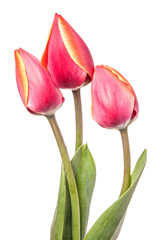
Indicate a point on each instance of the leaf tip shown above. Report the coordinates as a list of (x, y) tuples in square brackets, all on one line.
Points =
[(85, 146), (145, 153)]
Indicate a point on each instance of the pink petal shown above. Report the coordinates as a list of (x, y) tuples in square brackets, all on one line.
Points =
[(122, 79), (76, 47), (66, 56), (22, 81), (43, 96), (112, 102)]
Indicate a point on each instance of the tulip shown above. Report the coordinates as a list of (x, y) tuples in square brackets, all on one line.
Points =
[(40, 96), (114, 103), (67, 57), (35, 85)]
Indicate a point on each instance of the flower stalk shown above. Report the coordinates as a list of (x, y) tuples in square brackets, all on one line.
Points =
[(78, 117), (127, 161), (70, 178)]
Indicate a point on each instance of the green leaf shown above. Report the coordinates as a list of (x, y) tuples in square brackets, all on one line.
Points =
[(57, 227), (108, 226), (85, 174), (67, 230)]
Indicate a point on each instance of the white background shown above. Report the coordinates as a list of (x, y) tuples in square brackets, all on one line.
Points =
[(120, 33)]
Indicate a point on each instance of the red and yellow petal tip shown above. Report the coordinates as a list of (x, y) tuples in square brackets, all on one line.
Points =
[(44, 59), (118, 75), (21, 77), (75, 46)]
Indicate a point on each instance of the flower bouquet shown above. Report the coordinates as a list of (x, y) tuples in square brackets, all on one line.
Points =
[(67, 64)]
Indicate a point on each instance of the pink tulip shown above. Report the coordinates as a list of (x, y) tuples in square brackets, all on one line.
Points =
[(67, 57), (35, 85), (114, 103)]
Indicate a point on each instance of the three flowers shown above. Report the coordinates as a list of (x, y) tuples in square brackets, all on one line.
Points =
[(67, 63)]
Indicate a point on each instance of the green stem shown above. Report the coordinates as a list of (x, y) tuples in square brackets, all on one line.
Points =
[(78, 116), (70, 178), (127, 161)]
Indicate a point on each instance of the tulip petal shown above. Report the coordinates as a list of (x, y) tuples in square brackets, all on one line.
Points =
[(43, 97), (76, 47), (117, 74), (136, 109), (44, 59), (21, 77), (112, 102), (63, 64), (124, 80)]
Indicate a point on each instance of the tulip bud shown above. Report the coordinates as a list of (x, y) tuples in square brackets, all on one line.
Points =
[(35, 85), (67, 57), (114, 103)]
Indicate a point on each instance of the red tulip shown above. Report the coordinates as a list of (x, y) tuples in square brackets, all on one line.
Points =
[(66, 56), (114, 103), (35, 85)]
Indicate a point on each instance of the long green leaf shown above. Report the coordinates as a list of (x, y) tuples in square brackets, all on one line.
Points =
[(57, 227), (108, 226), (85, 173), (67, 230)]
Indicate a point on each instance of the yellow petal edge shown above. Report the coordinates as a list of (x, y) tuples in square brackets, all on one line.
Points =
[(70, 43), (20, 68)]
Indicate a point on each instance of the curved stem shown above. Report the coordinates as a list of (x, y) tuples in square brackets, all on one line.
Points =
[(127, 161), (78, 116), (70, 178)]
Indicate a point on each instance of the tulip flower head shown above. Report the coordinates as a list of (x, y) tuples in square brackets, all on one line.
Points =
[(114, 103), (67, 57), (36, 88)]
